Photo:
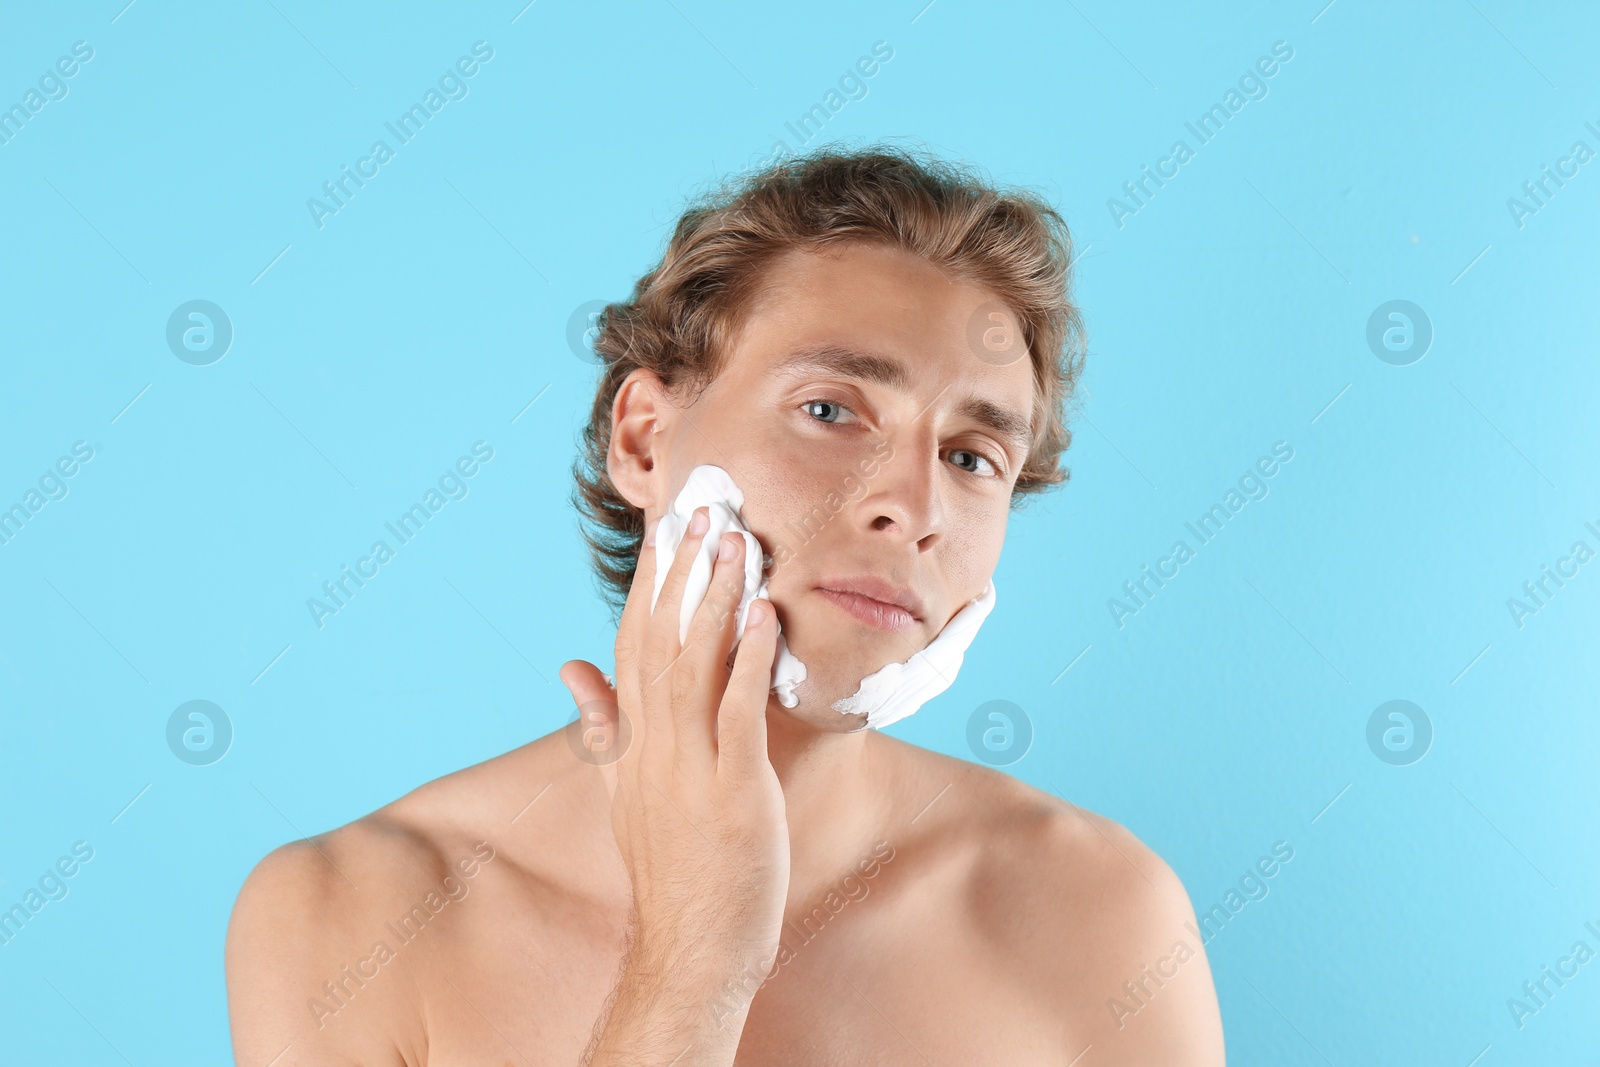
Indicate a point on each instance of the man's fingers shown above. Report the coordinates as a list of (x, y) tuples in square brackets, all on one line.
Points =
[(701, 672), (671, 599), (662, 643), (742, 718)]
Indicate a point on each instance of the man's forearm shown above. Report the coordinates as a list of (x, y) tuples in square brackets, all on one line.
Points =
[(674, 1007)]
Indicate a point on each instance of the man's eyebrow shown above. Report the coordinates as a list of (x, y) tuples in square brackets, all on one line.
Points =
[(838, 359), (850, 363), (1008, 425)]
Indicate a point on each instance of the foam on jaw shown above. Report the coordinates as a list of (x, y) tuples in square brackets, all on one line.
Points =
[(885, 696), (710, 487), (892, 692)]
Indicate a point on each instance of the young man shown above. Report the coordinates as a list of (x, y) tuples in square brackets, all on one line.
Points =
[(877, 349)]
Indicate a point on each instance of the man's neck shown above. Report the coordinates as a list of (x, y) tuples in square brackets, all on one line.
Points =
[(835, 798)]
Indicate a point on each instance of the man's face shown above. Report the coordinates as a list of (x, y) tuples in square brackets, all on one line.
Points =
[(876, 449)]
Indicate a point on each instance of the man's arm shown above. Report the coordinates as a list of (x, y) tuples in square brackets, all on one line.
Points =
[(1132, 971), (1161, 1003), (697, 812), (675, 1003), (294, 916)]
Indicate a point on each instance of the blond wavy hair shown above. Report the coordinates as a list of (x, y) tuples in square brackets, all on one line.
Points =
[(684, 313)]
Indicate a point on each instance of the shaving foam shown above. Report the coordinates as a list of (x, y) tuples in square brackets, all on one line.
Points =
[(891, 693), (885, 696), (711, 488)]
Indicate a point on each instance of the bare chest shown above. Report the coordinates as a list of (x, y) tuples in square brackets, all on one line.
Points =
[(870, 981)]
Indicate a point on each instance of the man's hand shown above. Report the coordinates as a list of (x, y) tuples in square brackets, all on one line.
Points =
[(697, 812)]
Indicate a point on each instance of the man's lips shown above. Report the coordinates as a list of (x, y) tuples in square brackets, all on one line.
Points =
[(872, 612)]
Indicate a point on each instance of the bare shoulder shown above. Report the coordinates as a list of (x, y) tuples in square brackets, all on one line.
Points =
[(1115, 933), (1026, 842), (1087, 915), (318, 920)]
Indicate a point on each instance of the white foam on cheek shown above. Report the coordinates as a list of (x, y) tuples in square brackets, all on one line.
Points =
[(895, 691), (710, 487), (885, 696)]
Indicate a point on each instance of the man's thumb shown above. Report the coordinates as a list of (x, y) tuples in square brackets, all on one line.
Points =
[(585, 682), (600, 736)]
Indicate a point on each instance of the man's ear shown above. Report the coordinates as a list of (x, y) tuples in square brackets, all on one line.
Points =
[(641, 409)]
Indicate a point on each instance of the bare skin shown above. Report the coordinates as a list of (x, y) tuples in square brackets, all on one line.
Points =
[(906, 906)]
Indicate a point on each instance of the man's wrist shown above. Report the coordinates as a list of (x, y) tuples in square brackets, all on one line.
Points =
[(714, 982), (664, 1010)]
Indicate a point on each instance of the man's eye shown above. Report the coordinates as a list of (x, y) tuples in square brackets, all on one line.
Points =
[(972, 462), (825, 410)]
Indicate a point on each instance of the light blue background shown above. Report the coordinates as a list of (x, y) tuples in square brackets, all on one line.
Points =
[(1226, 315)]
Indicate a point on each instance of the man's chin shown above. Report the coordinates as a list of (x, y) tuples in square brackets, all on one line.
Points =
[(824, 686), (837, 655), (816, 713)]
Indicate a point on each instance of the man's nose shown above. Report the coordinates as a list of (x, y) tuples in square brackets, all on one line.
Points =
[(905, 501)]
